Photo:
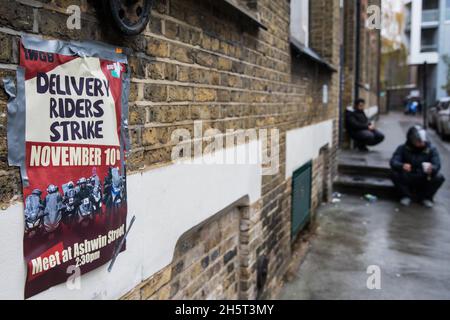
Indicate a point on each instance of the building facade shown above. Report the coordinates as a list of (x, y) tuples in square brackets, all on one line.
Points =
[(211, 69), (426, 35), (360, 56)]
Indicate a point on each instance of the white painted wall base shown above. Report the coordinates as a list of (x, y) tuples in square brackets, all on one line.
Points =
[(304, 144), (167, 202)]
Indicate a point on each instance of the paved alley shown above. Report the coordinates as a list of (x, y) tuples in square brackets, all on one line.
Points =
[(411, 246)]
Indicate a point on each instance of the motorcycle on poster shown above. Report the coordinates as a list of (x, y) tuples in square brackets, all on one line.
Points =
[(67, 131)]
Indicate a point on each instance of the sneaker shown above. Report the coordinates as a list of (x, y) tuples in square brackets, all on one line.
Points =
[(428, 204), (406, 202)]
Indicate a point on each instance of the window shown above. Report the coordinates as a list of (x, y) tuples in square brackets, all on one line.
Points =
[(447, 11), (246, 9), (299, 32), (300, 21)]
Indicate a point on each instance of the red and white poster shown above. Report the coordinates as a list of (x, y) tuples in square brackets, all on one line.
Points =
[(75, 192)]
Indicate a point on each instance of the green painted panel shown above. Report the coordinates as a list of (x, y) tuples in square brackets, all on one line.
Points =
[(301, 198)]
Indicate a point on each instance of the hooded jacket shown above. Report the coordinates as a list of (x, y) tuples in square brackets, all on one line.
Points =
[(356, 121), (406, 153)]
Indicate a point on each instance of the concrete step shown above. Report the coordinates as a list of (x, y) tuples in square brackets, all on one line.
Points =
[(363, 173), (363, 184), (366, 171)]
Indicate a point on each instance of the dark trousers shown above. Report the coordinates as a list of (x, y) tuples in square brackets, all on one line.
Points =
[(367, 137), (410, 184)]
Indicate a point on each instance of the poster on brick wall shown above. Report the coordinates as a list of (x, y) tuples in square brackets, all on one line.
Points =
[(67, 131)]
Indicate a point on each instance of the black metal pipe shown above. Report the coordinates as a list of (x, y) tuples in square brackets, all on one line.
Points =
[(357, 48), (341, 73), (425, 96), (379, 69)]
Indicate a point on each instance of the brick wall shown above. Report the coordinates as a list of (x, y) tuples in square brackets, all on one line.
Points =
[(321, 179), (369, 46), (205, 265), (370, 60), (215, 260), (199, 61), (369, 56), (349, 61)]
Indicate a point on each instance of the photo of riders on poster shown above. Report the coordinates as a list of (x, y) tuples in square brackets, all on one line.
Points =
[(71, 105)]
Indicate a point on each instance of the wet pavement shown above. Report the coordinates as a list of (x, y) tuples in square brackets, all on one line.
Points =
[(410, 246)]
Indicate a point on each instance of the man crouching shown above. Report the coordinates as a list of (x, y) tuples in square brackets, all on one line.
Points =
[(415, 169)]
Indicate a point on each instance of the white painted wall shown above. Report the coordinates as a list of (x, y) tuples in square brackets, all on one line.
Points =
[(167, 202), (304, 144)]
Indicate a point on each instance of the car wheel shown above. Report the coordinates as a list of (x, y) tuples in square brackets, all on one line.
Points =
[(445, 136), (433, 124), (437, 129), (442, 134)]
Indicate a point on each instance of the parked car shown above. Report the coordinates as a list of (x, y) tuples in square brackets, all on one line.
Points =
[(432, 115), (443, 118)]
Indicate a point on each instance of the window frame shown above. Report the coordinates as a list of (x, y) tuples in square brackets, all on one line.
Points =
[(244, 11), (300, 30), (447, 11)]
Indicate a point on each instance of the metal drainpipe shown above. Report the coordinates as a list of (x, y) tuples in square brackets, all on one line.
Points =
[(379, 53), (357, 48), (425, 96), (341, 75)]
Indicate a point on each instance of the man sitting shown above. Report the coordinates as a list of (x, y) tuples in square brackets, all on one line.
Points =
[(415, 169), (360, 129)]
